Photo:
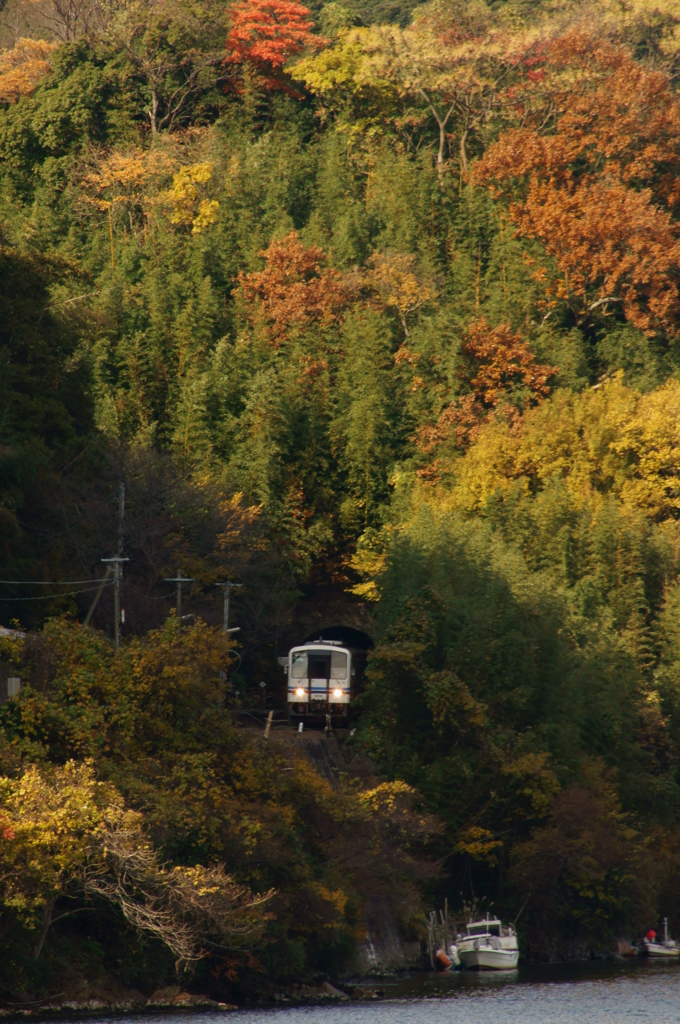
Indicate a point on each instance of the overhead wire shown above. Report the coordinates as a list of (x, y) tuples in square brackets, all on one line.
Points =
[(47, 597), (49, 583)]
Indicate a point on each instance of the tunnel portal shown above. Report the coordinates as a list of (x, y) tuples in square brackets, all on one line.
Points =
[(354, 639)]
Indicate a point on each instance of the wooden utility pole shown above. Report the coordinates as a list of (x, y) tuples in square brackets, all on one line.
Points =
[(228, 587), (179, 580), (117, 563), (121, 517), (431, 937), (227, 591)]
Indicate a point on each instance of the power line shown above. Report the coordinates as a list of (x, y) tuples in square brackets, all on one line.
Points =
[(47, 597), (47, 583)]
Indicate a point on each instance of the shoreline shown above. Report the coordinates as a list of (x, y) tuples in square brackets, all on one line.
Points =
[(413, 985)]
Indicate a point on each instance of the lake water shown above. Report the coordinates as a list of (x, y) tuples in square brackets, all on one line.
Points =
[(624, 993), (612, 993)]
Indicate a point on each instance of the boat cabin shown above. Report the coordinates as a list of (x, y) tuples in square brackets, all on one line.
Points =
[(489, 927)]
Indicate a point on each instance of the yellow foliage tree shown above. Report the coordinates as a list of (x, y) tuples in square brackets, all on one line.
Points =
[(607, 441), (450, 60), (183, 198), (393, 276), (23, 67), (125, 180), (150, 716), (68, 837)]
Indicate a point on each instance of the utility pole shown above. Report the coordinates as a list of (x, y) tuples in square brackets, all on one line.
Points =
[(227, 591), (121, 516), (179, 580), (117, 563), (228, 587)]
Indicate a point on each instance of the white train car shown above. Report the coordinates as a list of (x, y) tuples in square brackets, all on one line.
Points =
[(322, 680)]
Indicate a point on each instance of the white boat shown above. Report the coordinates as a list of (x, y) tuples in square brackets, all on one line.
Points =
[(666, 949), (488, 945)]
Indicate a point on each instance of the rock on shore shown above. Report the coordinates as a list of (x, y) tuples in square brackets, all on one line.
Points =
[(107, 994)]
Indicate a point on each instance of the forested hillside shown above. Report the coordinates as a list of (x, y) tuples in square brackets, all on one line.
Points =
[(372, 297)]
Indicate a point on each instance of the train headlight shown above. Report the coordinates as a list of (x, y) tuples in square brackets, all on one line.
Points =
[(299, 692), (337, 693)]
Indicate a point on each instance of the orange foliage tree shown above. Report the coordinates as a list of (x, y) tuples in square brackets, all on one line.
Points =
[(593, 174), (295, 288), (499, 369), (22, 68), (265, 34)]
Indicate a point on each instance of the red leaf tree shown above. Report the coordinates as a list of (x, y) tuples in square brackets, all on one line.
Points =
[(265, 34), (593, 174), (499, 371), (295, 288)]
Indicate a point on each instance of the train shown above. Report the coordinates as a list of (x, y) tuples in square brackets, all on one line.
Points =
[(324, 679)]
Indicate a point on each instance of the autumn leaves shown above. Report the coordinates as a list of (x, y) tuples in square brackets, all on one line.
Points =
[(592, 174), (297, 289), (542, 144), (498, 374), (22, 68), (265, 34), (574, 137), (69, 843)]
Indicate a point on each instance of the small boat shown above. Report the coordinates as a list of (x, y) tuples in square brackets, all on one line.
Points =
[(488, 945), (666, 949)]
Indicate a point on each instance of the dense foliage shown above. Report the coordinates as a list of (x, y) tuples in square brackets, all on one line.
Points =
[(375, 296), (201, 846)]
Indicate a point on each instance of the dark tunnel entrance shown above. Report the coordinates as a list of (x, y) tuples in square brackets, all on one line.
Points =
[(355, 639)]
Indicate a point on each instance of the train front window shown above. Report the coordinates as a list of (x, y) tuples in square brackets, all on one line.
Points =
[(299, 666), (318, 668), (338, 665)]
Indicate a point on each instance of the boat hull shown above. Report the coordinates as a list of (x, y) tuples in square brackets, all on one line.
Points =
[(660, 951), (489, 959)]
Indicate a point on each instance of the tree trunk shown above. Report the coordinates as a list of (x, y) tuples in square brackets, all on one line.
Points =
[(153, 112), (442, 144), (463, 152), (442, 123), (47, 921)]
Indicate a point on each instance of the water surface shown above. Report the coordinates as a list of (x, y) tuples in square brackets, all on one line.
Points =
[(633, 992), (625, 993)]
